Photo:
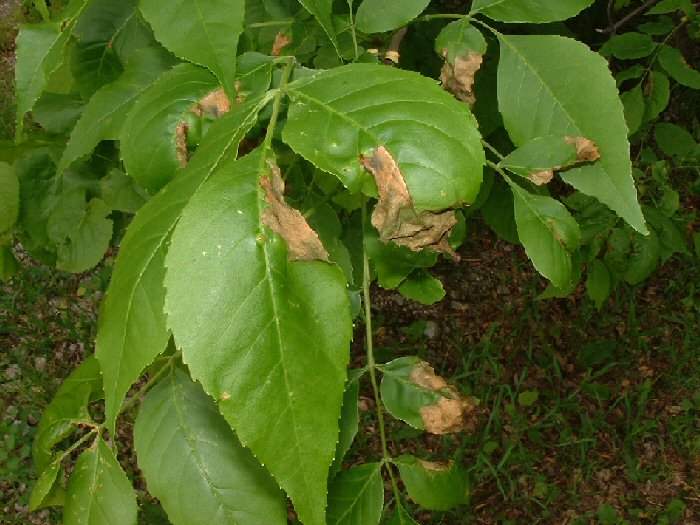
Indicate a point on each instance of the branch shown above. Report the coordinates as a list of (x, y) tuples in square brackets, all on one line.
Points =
[(627, 18)]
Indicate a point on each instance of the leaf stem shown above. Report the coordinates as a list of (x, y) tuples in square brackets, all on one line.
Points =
[(352, 30), (276, 105), (371, 363), (153, 379), (284, 22), (492, 149)]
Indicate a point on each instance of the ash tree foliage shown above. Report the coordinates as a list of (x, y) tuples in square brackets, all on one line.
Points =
[(277, 157)]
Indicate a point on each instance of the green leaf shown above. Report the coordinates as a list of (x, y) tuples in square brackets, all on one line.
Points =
[(131, 329), (633, 103), (675, 65), (656, 95), (434, 486), (393, 263), (99, 493), (598, 283), (194, 463), (58, 113), (349, 419), (83, 385), (271, 339), (120, 192), (400, 517), (81, 233), (628, 46), (403, 397), (105, 113), (148, 137), (548, 232), (537, 11), (356, 496), (39, 53), (459, 38), (338, 115), (378, 16), (671, 6), (205, 32), (538, 154), (9, 197), (8, 264), (498, 212), (422, 287), (322, 10), (663, 26), (670, 232), (528, 398), (551, 85), (45, 487), (644, 258), (673, 140)]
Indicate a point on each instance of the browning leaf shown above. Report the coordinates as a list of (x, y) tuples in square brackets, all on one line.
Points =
[(216, 103), (303, 243), (181, 152), (452, 412), (458, 79), (539, 178), (435, 466), (586, 150), (394, 215), (281, 39)]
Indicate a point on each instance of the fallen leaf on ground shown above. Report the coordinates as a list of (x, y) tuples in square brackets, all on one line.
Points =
[(303, 243), (458, 79), (394, 215)]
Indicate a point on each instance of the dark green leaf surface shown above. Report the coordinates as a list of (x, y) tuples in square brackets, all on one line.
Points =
[(548, 232), (633, 103), (148, 136), (349, 419), (338, 115), (194, 463), (322, 10), (541, 92), (644, 258), (99, 493), (400, 517), (458, 38), (41, 494), (268, 346), (356, 496), (9, 197), (675, 65), (629, 46), (58, 113), (598, 282), (69, 404), (131, 329), (538, 11), (422, 287), (105, 113), (120, 192), (673, 140), (432, 485), (8, 263), (657, 94), (378, 16), (540, 153), (202, 31)]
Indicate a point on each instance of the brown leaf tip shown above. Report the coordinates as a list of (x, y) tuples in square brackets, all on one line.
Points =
[(395, 217), (586, 149), (458, 78), (303, 243), (452, 412)]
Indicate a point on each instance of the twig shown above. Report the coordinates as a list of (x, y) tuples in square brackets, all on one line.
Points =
[(392, 52), (626, 18)]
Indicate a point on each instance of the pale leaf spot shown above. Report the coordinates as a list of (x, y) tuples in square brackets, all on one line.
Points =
[(458, 78), (281, 40), (303, 243), (541, 177), (435, 466)]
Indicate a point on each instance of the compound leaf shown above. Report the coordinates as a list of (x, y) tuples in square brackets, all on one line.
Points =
[(340, 115), (267, 345), (99, 493), (541, 92), (131, 328), (536, 11), (194, 463), (205, 32), (148, 136), (356, 496)]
